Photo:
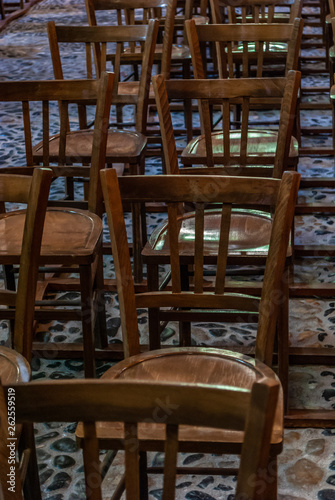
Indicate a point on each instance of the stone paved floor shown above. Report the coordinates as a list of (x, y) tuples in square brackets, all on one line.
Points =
[(307, 464)]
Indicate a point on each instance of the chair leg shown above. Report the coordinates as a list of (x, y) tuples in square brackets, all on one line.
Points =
[(184, 334), (331, 72), (101, 337), (144, 490), (283, 340), (31, 486), (144, 234), (137, 243), (184, 328), (69, 188), (119, 115), (2, 10), (10, 285), (297, 123), (188, 105), (92, 467), (153, 320), (87, 315), (270, 492)]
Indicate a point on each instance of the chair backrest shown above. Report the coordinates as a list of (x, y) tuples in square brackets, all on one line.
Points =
[(33, 191), (204, 405), (64, 92), (141, 42), (250, 47), (176, 190), (231, 144), (333, 25), (255, 11), (331, 8), (124, 13)]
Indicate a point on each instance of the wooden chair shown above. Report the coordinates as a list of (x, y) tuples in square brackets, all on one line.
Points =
[(9, 362), (14, 368), (243, 151), (255, 11), (122, 146), (248, 50), (166, 52), (72, 238), (222, 408), (230, 158), (168, 55), (197, 365), (33, 191)]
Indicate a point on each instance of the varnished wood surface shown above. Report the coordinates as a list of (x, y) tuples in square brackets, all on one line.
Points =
[(225, 146), (262, 144), (332, 93), (146, 10), (191, 188), (177, 52), (34, 191), (248, 231), (133, 45), (13, 367), (262, 11), (262, 45), (192, 366), (200, 190), (125, 145), (129, 4), (221, 407), (71, 90), (69, 236), (98, 92)]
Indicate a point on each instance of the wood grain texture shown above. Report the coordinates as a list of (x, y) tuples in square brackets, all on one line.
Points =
[(145, 10), (229, 146), (221, 407), (72, 237), (175, 189), (33, 191), (277, 40), (257, 11), (139, 41)]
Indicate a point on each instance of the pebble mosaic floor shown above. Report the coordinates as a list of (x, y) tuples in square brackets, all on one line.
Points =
[(307, 464)]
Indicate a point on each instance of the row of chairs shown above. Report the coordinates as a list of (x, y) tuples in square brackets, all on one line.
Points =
[(200, 190), (84, 228), (182, 367)]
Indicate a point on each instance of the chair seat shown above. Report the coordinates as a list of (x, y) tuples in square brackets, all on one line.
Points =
[(268, 47), (13, 367), (69, 236), (188, 365), (178, 51), (279, 17), (122, 145), (180, 20), (261, 144), (249, 235)]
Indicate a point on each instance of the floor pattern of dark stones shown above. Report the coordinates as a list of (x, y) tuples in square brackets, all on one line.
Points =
[(307, 464)]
